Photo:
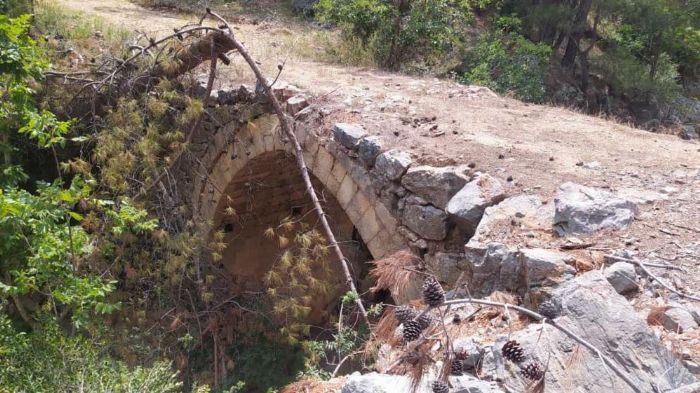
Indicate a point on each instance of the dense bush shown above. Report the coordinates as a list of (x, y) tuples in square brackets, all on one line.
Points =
[(47, 360), (507, 62), (403, 31)]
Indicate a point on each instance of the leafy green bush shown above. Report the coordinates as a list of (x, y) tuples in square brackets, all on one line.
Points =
[(403, 31), (47, 360), (629, 77), (505, 61)]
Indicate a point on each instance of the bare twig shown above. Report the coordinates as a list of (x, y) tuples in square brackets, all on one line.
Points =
[(648, 264), (289, 132), (648, 272)]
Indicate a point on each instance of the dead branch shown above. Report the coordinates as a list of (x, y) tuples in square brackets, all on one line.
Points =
[(643, 266), (289, 132), (563, 329)]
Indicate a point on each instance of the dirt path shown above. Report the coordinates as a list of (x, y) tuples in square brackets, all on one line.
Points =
[(539, 146)]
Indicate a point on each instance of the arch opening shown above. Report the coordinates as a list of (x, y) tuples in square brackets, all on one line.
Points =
[(265, 193)]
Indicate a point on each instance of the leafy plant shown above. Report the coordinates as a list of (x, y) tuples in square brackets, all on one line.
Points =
[(508, 62), (402, 31)]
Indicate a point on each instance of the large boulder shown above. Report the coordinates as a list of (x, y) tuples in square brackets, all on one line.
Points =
[(426, 221), (435, 185), (584, 210), (592, 309), (467, 206), (392, 164)]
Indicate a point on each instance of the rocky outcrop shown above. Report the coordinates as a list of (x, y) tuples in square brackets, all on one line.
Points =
[(595, 311), (583, 210)]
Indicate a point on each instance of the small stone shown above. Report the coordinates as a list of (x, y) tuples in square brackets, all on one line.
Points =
[(297, 103), (369, 148), (623, 277), (679, 320), (392, 164), (348, 135), (501, 156)]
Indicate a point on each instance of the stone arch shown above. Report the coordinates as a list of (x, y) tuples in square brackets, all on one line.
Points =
[(235, 145)]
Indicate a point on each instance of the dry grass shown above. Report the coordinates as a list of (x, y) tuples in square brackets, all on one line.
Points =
[(394, 272), (314, 386)]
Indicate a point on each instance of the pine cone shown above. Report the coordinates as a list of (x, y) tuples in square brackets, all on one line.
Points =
[(532, 371), (513, 351), (424, 321), (433, 294), (411, 330), (549, 309), (440, 387), (456, 367), (405, 313)]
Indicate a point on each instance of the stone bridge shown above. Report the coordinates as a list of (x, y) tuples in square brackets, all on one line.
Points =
[(242, 178)]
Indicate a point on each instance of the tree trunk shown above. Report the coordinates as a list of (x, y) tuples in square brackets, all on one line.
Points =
[(579, 26)]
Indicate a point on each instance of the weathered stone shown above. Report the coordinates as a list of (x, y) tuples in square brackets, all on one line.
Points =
[(593, 310), (583, 210), (428, 221), (470, 351), (368, 149), (383, 383), (678, 319), (546, 267), (640, 196), (528, 209), (468, 205), (297, 103), (492, 266), (436, 185), (446, 266), (376, 383), (622, 276), (392, 164), (348, 135)]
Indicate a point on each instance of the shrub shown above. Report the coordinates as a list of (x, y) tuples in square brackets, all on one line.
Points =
[(47, 360), (402, 31), (505, 61), (629, 77)]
